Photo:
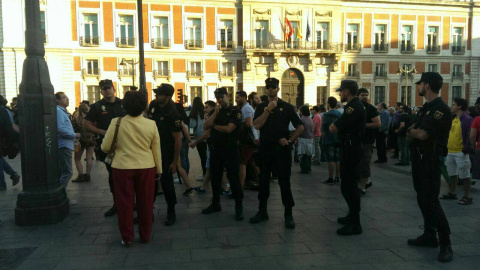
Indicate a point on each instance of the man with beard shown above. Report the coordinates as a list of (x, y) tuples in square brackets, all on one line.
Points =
[(429, 137), (253, 99), (272, 118), (350, 126)]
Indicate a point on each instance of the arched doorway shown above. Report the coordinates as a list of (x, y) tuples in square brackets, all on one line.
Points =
[(293, 87)]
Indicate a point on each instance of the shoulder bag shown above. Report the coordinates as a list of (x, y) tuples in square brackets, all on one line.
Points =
[(111, 152)]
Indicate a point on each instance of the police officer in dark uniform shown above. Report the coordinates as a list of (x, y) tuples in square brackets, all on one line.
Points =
[(98, 120), (350, 126), (429, 138), (169, 123), (224, 152), (272, 118)]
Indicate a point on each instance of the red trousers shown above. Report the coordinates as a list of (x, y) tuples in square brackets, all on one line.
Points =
[(129, 184)]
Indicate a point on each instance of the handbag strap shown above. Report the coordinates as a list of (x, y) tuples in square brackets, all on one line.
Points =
[(114, 142)]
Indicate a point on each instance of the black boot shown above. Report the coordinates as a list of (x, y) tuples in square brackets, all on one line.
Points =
[(352, 226), (112, 211), (261, 215), (289, 222), (446, 253), (171, 217), (239, 210), (345, 220), (212, 208), (427, 239)]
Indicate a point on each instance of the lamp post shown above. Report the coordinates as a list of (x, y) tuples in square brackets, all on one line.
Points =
[(407, 72), (141, 68), (124, 63), (43, 200)]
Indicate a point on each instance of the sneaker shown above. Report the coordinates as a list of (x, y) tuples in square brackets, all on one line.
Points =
[(200, 178), (212, 209), (127, 244), (72, 202), (80, 178), (350, 229), (424, 241), (200, 190), (362, 192), (446, 253), (225, 192), (329, 181), (289, 222), (15, 179), (187, 192), (259, 217), (86, 178), (176, 180), (337, 180), (112, 211), (368, 185)]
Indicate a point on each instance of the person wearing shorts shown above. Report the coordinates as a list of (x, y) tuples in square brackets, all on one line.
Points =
[(458, 161)]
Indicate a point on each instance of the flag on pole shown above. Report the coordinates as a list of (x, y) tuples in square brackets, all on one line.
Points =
[(299, 34), (288, 29), (307, 36)]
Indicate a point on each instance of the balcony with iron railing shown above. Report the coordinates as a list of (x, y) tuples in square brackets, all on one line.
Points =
[(157, 74), (352, 74), (227, 74), (407, 48), (280, 45), (458, 50), (380, 48), (353, 47), (433, 49), (90, 72), (125, 72), (380, 74), (226, 45), (126, 42), (193, 44), (457, 75), (89, 41), (160, 43), (403, 75), (197, 74)]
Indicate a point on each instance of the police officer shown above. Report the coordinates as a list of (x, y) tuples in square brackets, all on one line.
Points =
[(272, 118), (429, 138), (98, 120), (169, 123), (224, 152), (350, 126)]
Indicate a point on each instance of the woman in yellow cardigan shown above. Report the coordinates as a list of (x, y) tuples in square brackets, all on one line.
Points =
[(137, 159)]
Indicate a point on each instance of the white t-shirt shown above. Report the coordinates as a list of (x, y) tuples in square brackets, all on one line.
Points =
[(248, 111)]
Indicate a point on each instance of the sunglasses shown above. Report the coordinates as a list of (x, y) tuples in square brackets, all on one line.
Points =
[(271, 87), (106, 87)]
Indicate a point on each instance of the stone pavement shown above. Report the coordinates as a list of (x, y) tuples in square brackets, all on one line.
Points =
[(86, 239)]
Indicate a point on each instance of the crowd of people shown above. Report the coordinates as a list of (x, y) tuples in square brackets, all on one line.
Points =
[(249, 145)]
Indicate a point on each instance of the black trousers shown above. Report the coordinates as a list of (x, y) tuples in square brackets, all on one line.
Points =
[(110, 181), (227, 158), (166, 178), (202, 152), (279, 159), (349, 173), (426, 181), (381, 146)]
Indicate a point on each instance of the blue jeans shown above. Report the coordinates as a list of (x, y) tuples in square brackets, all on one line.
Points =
[(65, 171), (184, 156), (5, 167)]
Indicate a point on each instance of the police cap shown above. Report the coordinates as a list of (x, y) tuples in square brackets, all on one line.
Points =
[(271, 83), (105, 83), (133, 88), (430, 78), (219, 92), (349, 85), (164, 89)]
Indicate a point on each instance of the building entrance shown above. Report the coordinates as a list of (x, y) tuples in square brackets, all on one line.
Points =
[(293, 87)]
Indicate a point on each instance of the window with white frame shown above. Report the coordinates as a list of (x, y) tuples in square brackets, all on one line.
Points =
[(457, 40), (162, 68), (93, 93), (194, 32), (379, 94), (406, 99), (125, 89), (227, 69), (352, 70), (380, 36), (261, 34), (380, 70), (126, 69), (90, 28), (352, 37), (457, 71), (160, 31), (321, 95), (432, 68), (195, 91), (196, 68), (432, 38), (226, 33), (456, 92), (407, 34), (126, 35), (230, 94), (322, 35), (91, 67)]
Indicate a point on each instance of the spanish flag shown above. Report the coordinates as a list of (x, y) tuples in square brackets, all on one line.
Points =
[(299, 34)]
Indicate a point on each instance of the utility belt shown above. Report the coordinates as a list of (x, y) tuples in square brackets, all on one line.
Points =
[(351, 140)]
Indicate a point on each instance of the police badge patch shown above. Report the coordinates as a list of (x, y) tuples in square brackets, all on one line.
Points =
[(177, 123), (349, 110), (239, 116), (103, 108), (153, 110), (438, 115)]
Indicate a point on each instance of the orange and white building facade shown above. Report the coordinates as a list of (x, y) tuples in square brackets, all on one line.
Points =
[(199, 45)]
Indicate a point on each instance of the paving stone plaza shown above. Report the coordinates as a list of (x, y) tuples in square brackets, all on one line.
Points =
[(88, 240)]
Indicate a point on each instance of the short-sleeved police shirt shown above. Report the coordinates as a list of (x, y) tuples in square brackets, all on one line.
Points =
[(352, 122), (102, 112), (224, 117), (276, 125), (435, 117), (369, 135), (168, 120)]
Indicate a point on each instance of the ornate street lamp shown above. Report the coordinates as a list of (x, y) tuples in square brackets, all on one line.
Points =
[(407, 73), (124, 63)]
